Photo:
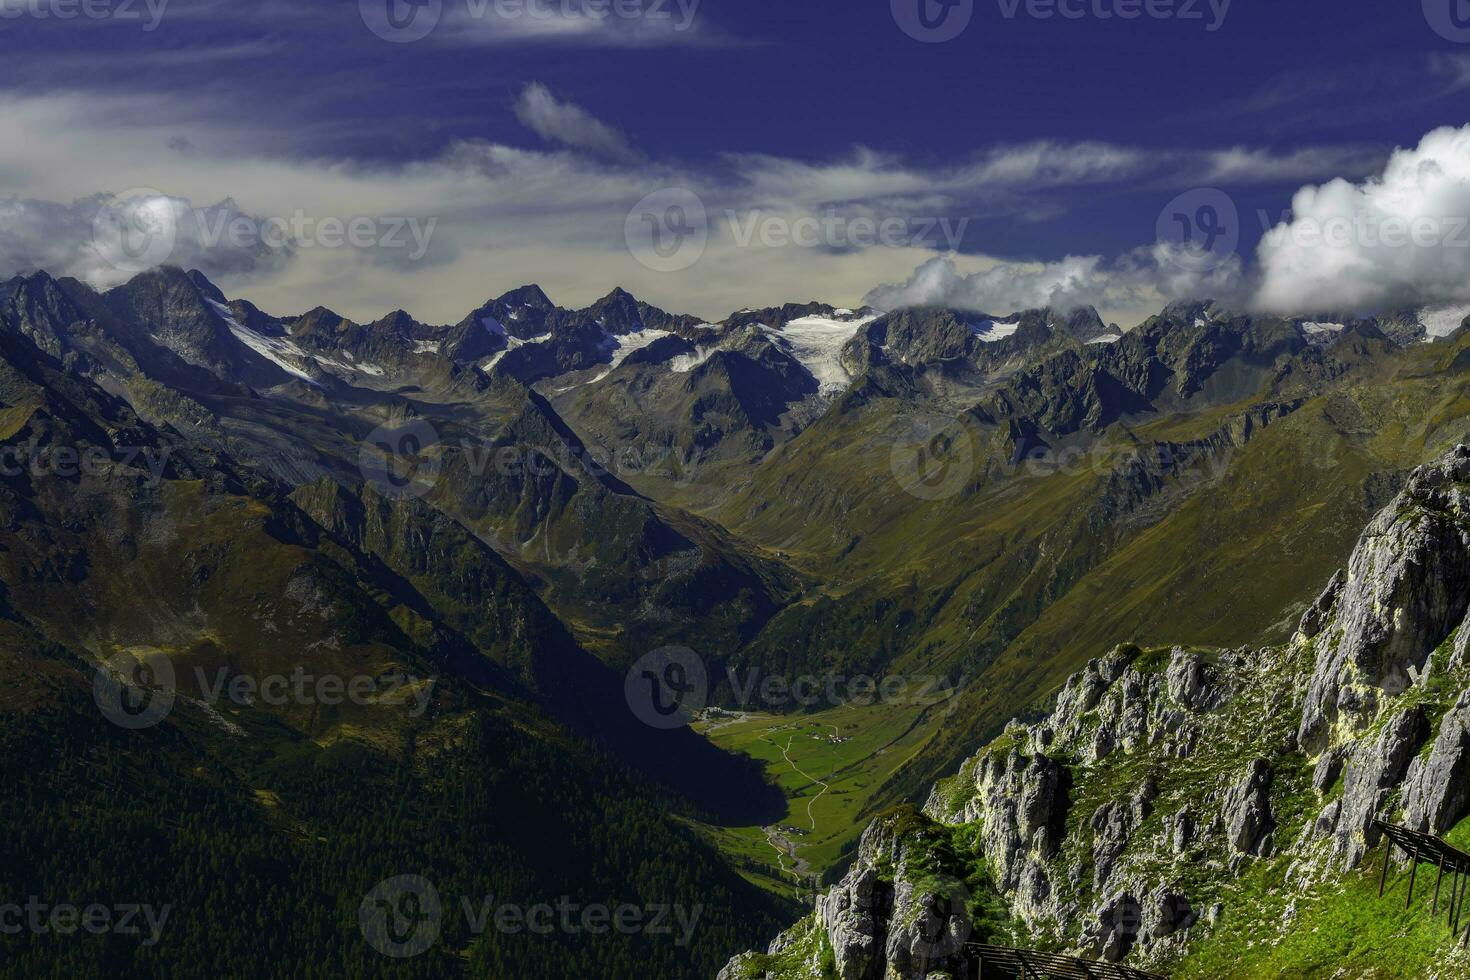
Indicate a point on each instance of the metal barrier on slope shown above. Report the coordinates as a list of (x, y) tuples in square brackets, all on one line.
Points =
[(1426, 848)]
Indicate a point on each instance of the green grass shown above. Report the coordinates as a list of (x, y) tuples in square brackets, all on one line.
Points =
[(878, 740), (1271, 930)]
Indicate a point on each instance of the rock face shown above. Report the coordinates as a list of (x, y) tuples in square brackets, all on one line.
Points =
[(1072, 861), (1407, 588), (1171, 765), (1375, 632), (1374, 768), (855, 924), (1247, 811), (1018, 798), (891, 918), (1438, 788)]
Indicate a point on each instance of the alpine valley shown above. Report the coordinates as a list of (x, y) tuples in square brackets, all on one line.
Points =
[(1015, 627)]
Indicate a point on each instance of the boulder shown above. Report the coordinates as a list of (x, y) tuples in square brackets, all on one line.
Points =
[(1247, 811), (1437, 788), (1374, 768)]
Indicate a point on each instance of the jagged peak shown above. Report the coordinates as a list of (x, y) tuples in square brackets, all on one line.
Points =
[(618, 294), (209, 289), (620, 304), (171, 275), (32, 279), (320, 315), (398, 322), (786, 312), (530, 295), (40, 285)]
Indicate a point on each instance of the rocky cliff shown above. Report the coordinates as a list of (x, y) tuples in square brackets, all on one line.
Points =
[(1179, 809)]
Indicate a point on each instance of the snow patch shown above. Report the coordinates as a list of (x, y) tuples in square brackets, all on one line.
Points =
[(1440, 323), (1106, 338), (630, 342), (511, 343), (618, 348), (684, 363), (273, 349), (816, 342), (991, 331), (1314, 329), (426, 346)]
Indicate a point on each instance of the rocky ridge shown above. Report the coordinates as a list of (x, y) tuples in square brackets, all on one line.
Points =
[(1130, 822)]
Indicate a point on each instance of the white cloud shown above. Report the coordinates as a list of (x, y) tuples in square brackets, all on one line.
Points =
[(1399, 238), (1248, 165), (1002, 288), (1129, 287), (866, 173), (644, 25), (557, 121), (483, 23)]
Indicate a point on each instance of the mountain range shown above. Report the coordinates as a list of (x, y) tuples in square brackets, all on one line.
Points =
[(525, 504)]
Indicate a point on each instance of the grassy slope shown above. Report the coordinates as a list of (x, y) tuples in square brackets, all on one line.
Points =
[(1013, 586), (227, 810), (1276, 928), (1339, 926)]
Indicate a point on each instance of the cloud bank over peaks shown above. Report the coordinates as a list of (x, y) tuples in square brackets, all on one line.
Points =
[(1139, 281), (1398, 238), (106, 239)]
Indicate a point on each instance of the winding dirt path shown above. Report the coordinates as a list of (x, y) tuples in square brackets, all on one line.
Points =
[(784, 848), (785, 754), (783, 845)]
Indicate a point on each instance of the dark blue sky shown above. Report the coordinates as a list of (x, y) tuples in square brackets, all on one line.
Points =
[(809, 81)]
